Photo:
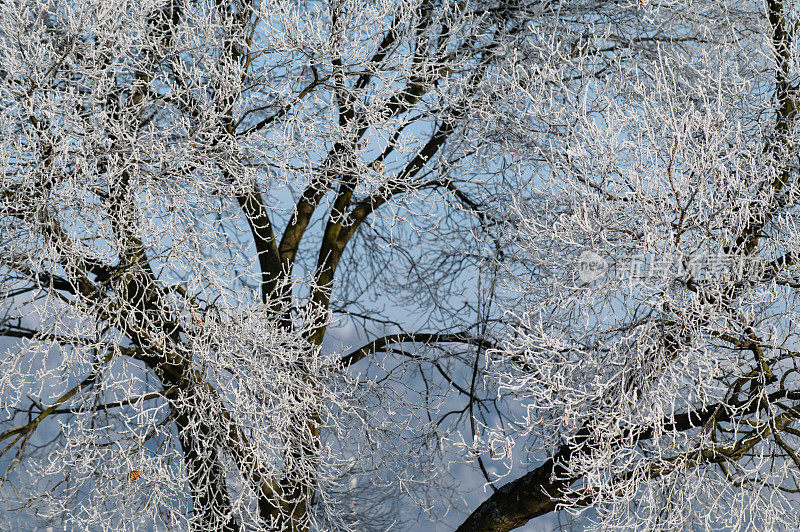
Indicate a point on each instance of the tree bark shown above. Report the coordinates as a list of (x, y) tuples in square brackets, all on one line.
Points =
[(519, 501)]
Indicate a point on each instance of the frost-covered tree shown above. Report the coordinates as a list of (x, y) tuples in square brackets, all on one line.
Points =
[(651, 303), (192, 193), (273, 265)]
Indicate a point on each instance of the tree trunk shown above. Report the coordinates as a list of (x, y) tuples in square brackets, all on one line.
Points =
[(210, 501)]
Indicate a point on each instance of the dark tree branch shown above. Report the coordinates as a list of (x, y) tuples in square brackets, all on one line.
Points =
[(381, 344), (540, 491)]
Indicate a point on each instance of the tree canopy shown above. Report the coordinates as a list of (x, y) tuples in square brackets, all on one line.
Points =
[(278, 265)]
